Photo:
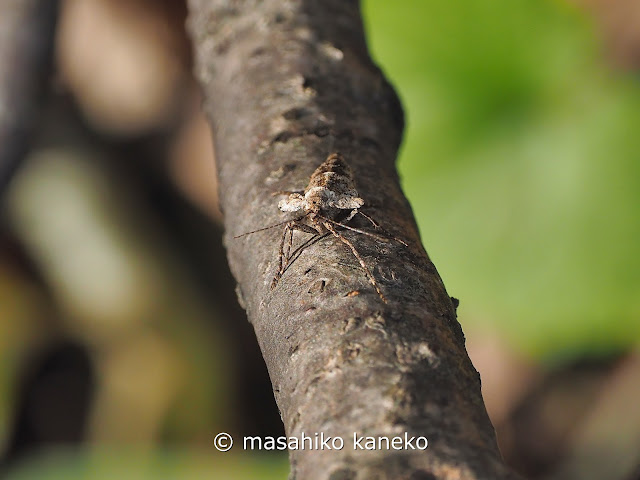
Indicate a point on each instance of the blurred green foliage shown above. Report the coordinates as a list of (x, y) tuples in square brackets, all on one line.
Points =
[(521, 162), (170, 464)]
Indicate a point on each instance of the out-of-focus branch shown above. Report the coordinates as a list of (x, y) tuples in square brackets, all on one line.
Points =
[(26, 49), (286, 84)]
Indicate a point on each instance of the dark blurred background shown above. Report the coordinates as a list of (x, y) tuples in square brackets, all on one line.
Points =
[(123, 350)]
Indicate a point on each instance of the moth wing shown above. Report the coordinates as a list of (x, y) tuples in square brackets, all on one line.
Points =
[(294, 203), (347, 202)]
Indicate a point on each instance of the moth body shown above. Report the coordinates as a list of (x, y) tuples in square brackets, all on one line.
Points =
[(331, 189), (328, 203)]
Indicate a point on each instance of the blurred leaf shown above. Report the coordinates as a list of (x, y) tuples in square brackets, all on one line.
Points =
[(520, 160)]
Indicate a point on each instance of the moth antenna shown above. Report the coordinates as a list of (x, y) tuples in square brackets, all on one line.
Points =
[(369, 234), (265, 228)]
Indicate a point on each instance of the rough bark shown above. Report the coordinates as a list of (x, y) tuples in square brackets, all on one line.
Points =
[(26, 52), (287, 83)]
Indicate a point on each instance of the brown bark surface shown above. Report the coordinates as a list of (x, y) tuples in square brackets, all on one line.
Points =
[(286, 84)]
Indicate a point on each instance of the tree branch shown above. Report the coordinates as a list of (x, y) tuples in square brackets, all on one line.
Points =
[(287, 83)]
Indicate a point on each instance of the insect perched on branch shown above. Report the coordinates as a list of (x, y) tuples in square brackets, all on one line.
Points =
[(328, 203)]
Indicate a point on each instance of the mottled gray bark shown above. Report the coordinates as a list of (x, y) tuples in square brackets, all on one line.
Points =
[(287, 83), (26, 51)]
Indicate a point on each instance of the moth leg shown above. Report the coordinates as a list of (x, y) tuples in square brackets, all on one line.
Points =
[(386, 237), (346, 241), (375, 225), (288, 249), (392, 237), (287, 229), (351, 215), (298, 251), (285, 257)]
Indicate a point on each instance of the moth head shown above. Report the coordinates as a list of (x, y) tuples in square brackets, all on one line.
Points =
[(293, 203), (318, 198)]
